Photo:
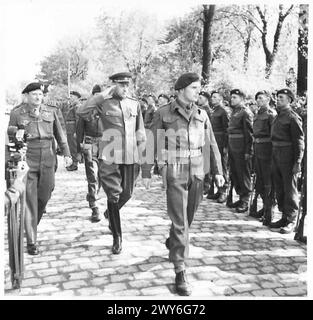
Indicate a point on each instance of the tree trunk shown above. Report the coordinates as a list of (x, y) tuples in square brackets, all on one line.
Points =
[(246, 53), (302, 76), (206, 45)]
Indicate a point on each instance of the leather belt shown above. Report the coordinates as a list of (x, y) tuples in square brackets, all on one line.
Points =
[(236, 135), (70, 121), (37, 143), (219, 132), (262, 140), (281, 143)]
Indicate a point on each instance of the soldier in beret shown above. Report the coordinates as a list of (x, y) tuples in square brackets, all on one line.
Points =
[(163, 99), (288, 148), (240, 138), (41, 125), (71, 119), (219, 121), (151, 99), (119, 150), (184, 130), (88, 136), (262, 125)]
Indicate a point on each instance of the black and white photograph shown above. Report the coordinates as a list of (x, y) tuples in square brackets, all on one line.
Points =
[(154, 150)]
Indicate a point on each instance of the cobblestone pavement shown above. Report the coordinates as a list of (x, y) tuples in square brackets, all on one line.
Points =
[(231, 254)]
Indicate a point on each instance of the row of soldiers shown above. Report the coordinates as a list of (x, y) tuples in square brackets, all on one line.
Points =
[(206, 140)]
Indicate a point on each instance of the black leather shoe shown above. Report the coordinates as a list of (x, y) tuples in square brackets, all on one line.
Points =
[(222, 198), (278, 224), (235, 204), (182, 286), (167, 243), (290, 227), (95, 215), (214, 196), (72, 167), (32, 249), (242, 208), (117, 245), (257, 215)]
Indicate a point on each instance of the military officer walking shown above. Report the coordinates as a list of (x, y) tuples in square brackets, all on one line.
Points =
[(240, 149), (71, 118), (119, 155), (41, 125), (262, 125), (219, 120), (89, 133), (185, 131), (288, 148)]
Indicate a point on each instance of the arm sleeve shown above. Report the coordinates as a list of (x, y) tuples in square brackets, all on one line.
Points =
[(248, 132), (60, 136), (80, 132), (297, 137)]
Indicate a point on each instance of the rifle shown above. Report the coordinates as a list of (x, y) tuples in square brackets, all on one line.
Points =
[(253, 198), (229, 200), (301, 212)]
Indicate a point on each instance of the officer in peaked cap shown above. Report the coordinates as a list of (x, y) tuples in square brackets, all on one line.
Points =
[(240, 138), (119, 158), (187, 159), (288, 147), (41, 125)]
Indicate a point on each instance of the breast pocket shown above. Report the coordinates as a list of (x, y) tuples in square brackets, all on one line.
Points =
[(114, 118), (196, 132), (47, 122)]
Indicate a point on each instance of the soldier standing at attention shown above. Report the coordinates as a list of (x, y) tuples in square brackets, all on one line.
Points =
[(186, 132), (41, 125), (262, 125), (240, 137), (288, 148), (208, 182), (119, 155), (89, 133), (219, 121), (71, 123)]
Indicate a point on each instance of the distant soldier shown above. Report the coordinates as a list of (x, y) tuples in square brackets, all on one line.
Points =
[(262, 125), (219, 121), (119, 154), (208, 181), (190, 143), (173, 97), (163, 99), (41, 125), (150, 110), (288, 147), (89, 133), (71, 118), (240, 137)]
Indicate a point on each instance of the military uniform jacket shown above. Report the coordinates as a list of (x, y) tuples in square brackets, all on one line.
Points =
[(240, 124), (219, 120), (262, 123), (88, 127), (149, 116), (44, 125), (123, 127), (179, 138), (287, 129)]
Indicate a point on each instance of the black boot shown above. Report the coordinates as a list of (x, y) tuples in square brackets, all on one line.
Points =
[(182, 285), (95, 215), (115, 226)]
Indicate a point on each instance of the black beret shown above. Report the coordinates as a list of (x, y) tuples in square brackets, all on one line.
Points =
[(34, 86), (266, 93), (75, 93), (96, 88), (185, 80), (238, 92), (173, 96), (288, 92), (205, 94), (162, 95), (215, 91), (122, 77)]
